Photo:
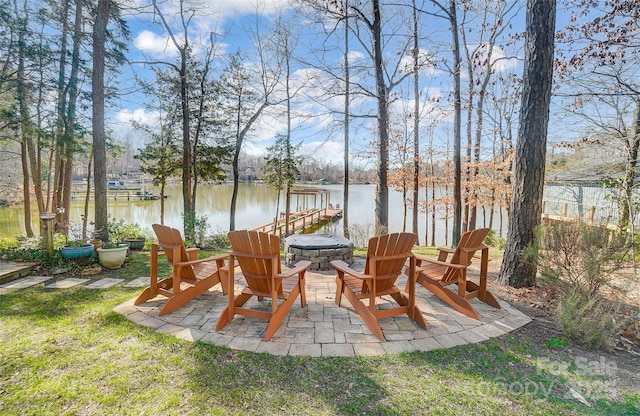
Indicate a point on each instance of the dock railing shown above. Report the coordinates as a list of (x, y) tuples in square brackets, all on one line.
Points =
[(297, 221)]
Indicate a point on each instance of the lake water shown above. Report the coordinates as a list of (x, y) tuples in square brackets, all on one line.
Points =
[(256, 206)]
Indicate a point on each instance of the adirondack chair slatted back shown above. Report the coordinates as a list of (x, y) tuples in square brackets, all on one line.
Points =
[(258, 255), (190, 276), (437, 274), (471, 241), (389, 254), (171, 242)]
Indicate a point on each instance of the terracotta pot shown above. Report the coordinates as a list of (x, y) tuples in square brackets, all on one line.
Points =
[(97, 243)]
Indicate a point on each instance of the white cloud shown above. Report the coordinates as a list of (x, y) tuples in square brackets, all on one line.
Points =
[(354, 56), (425, 62), (324, 151), (139, 115), (499, 60), (243, 6), (149, 42), (122, 125)]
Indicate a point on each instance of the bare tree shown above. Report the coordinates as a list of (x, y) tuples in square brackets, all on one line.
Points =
[(246, 104), (183, 47), (450, 13), (347, 124), (386, 77), (484, 56), (600, 70), (416, 122)]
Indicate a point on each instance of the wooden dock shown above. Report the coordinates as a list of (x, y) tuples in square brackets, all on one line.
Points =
[(301, 221), (128, 194)]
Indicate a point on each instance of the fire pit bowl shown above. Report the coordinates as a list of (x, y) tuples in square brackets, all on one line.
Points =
[(319, 249)]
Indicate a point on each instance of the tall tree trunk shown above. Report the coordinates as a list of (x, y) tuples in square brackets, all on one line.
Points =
[(241, 134), (457, 124), (526, 202), (35, 157), (382, 188), (186, 148), (26, 187), (416, 125), (99, 135), (25, 130), (347, 98), (70, 119), (631, 163), (198, 130), (234, 165), (286, 172), (466, 205), (61, 105), (87, 195)]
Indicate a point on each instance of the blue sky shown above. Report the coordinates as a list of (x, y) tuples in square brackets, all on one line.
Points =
[(316, 128), (229, 20)]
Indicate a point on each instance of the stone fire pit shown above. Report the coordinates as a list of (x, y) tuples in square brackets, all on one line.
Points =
[(319, 249)]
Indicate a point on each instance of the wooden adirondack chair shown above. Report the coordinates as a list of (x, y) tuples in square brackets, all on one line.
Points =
[(436, 275), (190, 276), (258, 256), (386, 257)]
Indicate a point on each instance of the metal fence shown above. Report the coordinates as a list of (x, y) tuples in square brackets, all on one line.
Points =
[(589, 201)]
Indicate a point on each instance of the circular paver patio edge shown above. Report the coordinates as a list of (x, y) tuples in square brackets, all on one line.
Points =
[(323, 329)]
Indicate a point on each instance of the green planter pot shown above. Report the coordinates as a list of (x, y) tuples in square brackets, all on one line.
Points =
[(135, 244), (79, 254), (113, 258)]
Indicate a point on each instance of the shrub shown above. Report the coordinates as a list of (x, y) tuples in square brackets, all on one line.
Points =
[(219, 239), (120, 231), (584, 255), (360, 234), (30, 250), (199, 226), (588, 320), (8, 243), (493, 240)]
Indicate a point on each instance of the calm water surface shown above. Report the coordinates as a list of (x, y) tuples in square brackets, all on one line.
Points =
[(256, 206)]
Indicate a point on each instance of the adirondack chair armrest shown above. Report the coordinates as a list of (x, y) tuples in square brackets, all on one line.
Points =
[(344, 267), (446, 249), (218, 258), (443, 252), (474, 250), (299, 267), (422, 258), (208, 259), (192, 253)]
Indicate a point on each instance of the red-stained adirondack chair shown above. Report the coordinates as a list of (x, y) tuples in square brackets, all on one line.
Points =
[(258, 256), (190, 276), (436, 275), (386, 258)]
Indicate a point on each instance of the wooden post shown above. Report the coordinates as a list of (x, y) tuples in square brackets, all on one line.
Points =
[(564, 210), (47, 230)]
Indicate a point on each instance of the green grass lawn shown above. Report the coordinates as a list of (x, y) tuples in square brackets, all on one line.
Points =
[(65, 352)]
